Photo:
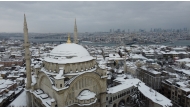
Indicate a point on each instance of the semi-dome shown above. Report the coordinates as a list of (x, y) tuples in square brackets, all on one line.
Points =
[(68, 53)]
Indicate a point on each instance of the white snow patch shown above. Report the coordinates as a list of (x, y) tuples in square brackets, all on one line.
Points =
[(20, 100), (86, 95), (154, 96)]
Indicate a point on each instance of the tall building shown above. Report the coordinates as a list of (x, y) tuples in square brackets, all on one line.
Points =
[(75, 33), (69, 76)]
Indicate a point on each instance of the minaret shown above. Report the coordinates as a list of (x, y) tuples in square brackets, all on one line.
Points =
[(75, 33), (27, 55), (28, 69)]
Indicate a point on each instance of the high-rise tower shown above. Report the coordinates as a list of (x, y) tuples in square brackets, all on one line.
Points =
[(27, 59), (75, 33)]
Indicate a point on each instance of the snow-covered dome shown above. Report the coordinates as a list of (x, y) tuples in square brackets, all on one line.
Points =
[(71, 49), (68, 53)]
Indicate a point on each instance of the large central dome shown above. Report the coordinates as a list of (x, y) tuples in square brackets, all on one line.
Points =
[(68, 53), (70, 50)]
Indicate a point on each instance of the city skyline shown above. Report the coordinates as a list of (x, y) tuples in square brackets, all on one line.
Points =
[(58, 17)]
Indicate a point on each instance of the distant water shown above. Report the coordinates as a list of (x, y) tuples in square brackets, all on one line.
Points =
[(176, 43), (99, 44)]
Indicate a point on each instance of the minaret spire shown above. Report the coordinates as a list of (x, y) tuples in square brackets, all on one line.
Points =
[(75, 33), (27, 55), (68, 40)]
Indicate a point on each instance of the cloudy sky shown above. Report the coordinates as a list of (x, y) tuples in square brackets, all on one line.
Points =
[(58, 17)]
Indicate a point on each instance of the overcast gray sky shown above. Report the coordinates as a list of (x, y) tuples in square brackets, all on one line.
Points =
[(58, 17)]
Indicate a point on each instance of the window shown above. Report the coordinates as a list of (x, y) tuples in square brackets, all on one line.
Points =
[(127, 99), (60, 85)]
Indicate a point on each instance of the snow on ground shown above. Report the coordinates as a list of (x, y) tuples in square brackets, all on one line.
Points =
[(20, 101)]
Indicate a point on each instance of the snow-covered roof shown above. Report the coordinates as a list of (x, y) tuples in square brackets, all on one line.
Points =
[(86, 95), (38, 91), (188, 65), (20, 79), (115, 55), (46, 100), (150, 70), (183, 70), (125, 84), (68, 53), (187, 60), (181, 84), (188, 96), (156, 97), (4, 83), (136, 56), (43, 96)]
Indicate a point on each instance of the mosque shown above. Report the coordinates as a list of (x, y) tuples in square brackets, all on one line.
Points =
[(68, 77)]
